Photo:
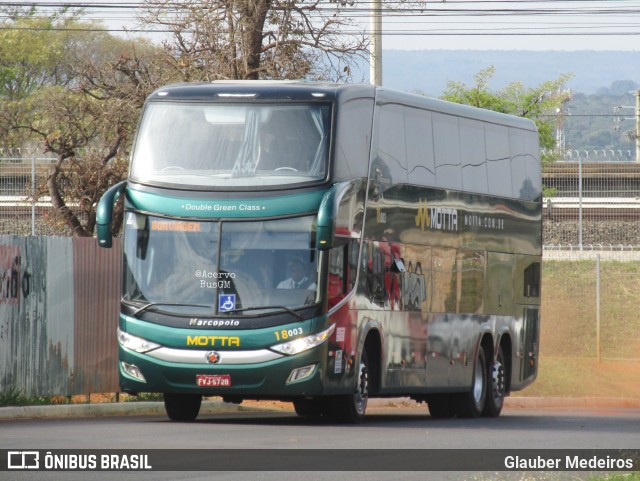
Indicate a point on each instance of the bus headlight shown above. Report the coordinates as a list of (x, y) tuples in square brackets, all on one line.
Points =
[(133, 371), (304, 343), (134, 343), (301, 373)]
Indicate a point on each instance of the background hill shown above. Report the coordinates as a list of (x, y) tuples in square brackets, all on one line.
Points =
[(601, 82), (427, 71)]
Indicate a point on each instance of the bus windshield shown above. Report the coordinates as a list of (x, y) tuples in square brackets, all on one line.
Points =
[(200, 268), (231, 145)]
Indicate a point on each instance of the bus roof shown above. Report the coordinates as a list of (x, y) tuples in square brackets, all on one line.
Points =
[(388, 96), (300, 90), (262, 90)]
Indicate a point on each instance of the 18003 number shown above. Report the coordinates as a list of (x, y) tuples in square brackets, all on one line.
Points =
[(285, 334)]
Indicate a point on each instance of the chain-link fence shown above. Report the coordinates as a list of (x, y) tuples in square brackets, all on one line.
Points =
[(20, 212), (590, 304), (592, 204), (595, 205)]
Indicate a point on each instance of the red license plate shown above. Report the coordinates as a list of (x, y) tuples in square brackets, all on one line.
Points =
[(211, 380)]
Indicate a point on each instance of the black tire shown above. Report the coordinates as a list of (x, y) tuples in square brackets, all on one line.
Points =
[(441, 406), (182, 407), (496, 389), (351, 408), (471, 404), (311, 407)]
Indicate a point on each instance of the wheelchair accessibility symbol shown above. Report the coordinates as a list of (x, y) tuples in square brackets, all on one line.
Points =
[(226, 302)]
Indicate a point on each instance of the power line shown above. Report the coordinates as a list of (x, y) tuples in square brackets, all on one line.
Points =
[(411, 33), (395, 16), (620, 7)]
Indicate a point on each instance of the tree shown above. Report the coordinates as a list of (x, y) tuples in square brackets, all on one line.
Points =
[(79, 91), (70, 125), (85, 117), (261, 39), (538, 103), (114, 70), (622, 87), (30, 52)]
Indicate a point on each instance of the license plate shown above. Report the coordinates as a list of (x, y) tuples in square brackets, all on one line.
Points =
[(211, 380)]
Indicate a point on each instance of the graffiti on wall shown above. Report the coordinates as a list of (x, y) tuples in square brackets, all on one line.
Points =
[(59, 303), (14, 281)]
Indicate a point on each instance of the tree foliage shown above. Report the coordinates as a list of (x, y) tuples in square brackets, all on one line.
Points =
[(77, 92), (30, 54), (594, 123), (537, 103), (88, 151), (261, 39)]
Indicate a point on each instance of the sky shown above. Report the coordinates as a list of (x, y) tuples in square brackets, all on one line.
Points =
[(462, 24), (518, 25), (503, 24)]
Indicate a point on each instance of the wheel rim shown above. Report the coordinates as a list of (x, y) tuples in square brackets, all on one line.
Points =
[(498, 380), (362, 390), (478, 383)]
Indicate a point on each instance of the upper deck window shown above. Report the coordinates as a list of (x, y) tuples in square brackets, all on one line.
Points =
[(232, 145)]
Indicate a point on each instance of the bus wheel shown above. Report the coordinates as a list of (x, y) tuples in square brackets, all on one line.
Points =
[(471, 404), (311, 407), (182, 407), (351, 408), (440, 406), (496, 389)]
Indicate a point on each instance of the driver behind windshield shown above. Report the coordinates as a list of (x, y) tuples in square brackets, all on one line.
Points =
[(299, 275)]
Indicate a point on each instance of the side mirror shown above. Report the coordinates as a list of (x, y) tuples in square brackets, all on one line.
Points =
[(328, 212), (104, 213)]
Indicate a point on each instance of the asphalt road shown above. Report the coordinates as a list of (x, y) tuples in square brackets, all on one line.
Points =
[(400, 427)]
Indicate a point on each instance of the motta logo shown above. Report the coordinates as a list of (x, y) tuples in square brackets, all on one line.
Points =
[(436, 218), (422, 217)]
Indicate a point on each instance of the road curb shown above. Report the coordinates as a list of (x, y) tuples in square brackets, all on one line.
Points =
[(532, 403), (568, 402), (111, 409), (214, 407)]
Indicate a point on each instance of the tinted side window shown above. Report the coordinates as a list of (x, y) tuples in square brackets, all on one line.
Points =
[(532, 280), (353, 139)]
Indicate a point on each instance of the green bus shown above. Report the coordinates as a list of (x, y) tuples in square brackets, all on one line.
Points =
[(324, 244)]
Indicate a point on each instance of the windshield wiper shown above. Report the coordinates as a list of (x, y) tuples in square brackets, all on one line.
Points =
[(171, 304), (282, 308)]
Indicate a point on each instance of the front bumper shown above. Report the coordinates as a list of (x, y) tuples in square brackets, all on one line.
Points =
[(260, 373)]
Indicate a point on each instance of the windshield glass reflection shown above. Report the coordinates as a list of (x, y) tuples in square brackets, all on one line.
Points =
[(232, 144), (188, 267)]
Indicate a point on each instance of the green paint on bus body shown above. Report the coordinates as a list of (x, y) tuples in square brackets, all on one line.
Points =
[(192, 337), (249, 208)]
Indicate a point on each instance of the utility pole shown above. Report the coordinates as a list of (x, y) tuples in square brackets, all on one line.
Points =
[(375, 59), (637, 94), (636, 117), (561, 113)]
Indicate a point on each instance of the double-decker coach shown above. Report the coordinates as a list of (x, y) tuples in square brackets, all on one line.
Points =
[(324, 244)]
